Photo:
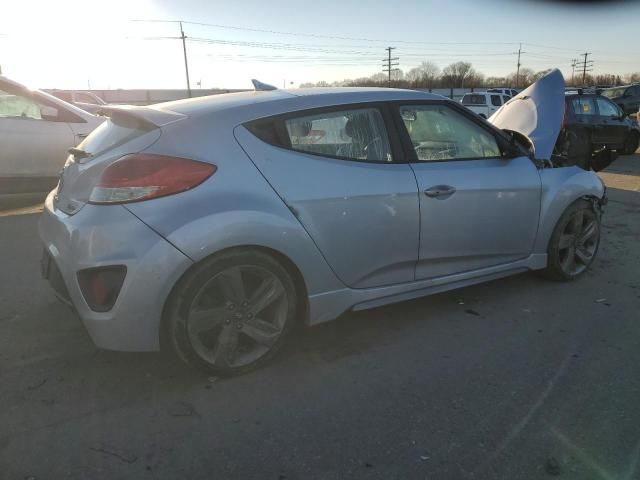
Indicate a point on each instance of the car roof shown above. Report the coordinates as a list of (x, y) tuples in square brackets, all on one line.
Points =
[(279, 101)]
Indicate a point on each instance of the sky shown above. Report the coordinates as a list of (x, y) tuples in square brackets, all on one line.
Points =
[(100, 44)]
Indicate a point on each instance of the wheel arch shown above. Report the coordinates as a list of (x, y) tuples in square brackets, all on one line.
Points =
[(286, 262), (562, 187)]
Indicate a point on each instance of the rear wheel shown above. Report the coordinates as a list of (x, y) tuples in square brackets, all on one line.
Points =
[(631, 143), (574, 242), (232, 313)]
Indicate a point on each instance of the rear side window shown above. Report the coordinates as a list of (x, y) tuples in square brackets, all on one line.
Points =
[(474, 99), (357, 134), (495, 100), (583, 106), (607, 109)]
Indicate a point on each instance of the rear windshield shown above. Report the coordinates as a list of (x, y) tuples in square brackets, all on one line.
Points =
[(474, 99), (613, 92), (111, 134)]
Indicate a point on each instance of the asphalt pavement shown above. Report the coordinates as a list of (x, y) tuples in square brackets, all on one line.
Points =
[(519, 378)]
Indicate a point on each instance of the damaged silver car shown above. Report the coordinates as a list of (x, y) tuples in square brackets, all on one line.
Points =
[(212, 226)]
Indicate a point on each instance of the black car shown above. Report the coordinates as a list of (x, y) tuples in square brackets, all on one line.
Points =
[(594, 132), (626, 97)]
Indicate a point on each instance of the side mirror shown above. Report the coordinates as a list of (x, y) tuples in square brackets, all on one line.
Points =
[(48, 113)]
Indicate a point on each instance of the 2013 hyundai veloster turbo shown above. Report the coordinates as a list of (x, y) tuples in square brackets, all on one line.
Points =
[(213, 225)]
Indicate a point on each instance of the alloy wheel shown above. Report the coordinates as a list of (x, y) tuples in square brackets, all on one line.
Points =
[(579, 242), (237, 316)]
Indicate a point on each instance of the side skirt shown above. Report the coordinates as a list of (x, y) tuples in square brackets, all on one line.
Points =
[(329, 305)]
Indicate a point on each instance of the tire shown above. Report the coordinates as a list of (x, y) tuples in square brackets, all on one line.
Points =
[(573, 245), (231, 313), (631, 143)]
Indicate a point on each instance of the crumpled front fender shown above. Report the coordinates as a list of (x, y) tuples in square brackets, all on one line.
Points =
[(560, 188)]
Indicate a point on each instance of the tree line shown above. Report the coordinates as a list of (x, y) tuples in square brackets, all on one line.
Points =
[(464, 75)]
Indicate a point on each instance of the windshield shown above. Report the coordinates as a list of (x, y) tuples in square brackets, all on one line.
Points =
[(614, 92)]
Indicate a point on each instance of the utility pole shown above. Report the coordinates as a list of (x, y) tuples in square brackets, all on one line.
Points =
[(186, 65), (389, 63), (574, 62), (518, 66), (587, 66)]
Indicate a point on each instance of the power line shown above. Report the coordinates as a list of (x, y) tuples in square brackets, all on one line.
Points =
[(317, 35)]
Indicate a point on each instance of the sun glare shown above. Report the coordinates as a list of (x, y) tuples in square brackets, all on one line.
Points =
[(67, 42)]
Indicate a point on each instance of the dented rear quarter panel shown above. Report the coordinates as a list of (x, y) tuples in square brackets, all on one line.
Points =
[(235, 207)]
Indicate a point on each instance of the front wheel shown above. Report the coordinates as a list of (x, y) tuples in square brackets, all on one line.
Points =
[(574, 242), (232, 313)]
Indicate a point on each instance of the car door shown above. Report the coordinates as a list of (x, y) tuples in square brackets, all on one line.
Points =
[(34, 142), (478, 208), (612, 123), (337, 171), (586, 118)]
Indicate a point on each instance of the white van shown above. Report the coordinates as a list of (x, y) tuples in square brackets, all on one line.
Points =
[(484, 103)]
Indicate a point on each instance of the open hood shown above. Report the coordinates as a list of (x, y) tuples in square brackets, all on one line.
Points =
[(536, 113)]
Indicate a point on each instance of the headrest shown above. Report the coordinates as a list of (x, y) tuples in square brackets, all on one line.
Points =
[(300, 129)]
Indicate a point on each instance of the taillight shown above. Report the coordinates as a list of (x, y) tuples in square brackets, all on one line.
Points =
[(138, 177), (101, 286)]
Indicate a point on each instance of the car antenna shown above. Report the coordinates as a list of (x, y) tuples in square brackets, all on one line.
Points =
[(262, 87)]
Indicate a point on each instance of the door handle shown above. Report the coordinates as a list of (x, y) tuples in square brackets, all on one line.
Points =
[(440, 191)]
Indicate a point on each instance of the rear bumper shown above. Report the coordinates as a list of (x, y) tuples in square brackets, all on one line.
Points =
[(110, 235)]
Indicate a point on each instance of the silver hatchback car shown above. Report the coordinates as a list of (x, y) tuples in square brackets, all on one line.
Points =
[(212, 226)]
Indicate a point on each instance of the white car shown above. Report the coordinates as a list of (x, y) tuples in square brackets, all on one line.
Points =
[(484, 104), (87, 101), (36, 131)]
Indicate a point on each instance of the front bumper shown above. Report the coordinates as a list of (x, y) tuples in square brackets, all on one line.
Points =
[(100, 236)]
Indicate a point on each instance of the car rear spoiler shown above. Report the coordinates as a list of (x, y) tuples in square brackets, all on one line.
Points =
[(149, 117)]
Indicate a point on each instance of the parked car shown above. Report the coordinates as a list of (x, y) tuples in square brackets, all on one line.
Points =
[(484, 103), (595, 131), (87, 101), (510, 92), (212, 226), (627, 97), (36, 130)]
